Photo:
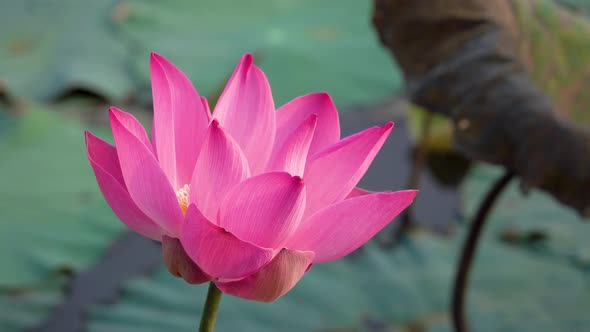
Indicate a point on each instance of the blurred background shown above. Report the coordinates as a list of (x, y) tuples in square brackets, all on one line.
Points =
[(67, 263)]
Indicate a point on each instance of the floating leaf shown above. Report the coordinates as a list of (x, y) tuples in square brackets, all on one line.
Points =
[(23, 309), (52, 215), (49, 48), (303, 46)]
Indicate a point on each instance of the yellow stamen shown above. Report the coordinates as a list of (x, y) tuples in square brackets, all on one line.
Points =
[(182, 196)]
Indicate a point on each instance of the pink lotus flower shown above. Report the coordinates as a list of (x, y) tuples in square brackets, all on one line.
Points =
[(247, 197)]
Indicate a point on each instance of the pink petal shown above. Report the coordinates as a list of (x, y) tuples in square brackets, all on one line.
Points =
[(206, 107), (292, 114), (343, 227), (332, 173), (179, 264), (133, 126), (220, 166), (146, 182), (218, 252), (292, 155), (356, 191), (104, 155), (246, 110), (265, 209), (180, 120), (105, 163), (274, 280)]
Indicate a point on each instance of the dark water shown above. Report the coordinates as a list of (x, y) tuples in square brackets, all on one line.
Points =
[(132, 256)]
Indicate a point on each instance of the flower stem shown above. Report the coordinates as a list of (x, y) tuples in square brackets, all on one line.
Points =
[(469, 249), (210, 310)]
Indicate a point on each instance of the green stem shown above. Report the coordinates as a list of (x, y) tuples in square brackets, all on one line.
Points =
[(210, 309)]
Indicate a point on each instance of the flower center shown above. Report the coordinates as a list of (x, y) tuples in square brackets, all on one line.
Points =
[(182, 196)]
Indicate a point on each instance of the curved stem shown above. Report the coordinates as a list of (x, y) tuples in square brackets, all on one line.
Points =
[(210, 310), (468, 252)]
